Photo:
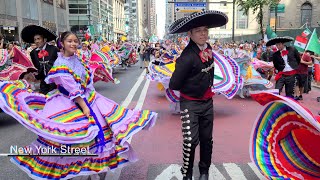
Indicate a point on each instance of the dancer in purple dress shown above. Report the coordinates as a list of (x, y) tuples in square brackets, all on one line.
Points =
[(72, 116)]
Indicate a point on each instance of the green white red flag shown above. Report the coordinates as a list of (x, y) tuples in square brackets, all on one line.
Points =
[(306, 33), (300, 43)]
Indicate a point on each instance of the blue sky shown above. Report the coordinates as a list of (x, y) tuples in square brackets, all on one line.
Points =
[(161, 17)]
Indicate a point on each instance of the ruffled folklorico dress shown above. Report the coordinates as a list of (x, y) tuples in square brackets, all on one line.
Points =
[(285, 139), (58, 122)]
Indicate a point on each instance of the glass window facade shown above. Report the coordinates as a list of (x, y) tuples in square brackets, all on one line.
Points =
[(8, 7), (30, 9), (61, 15), (78, 9), (242, 20), (47, 12)]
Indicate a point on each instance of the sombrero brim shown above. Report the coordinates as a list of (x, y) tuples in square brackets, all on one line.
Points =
[(285, 139), (276, 40), (175, 23), (207, 18), (28, 33)]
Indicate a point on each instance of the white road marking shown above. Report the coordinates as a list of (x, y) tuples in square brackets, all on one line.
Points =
[(214, 173), (256, 171), (143, 95), (133, 91), (172, 171), (117, 172), (234, 171)]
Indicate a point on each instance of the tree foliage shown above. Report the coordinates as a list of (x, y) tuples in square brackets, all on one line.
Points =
[(257, 8)]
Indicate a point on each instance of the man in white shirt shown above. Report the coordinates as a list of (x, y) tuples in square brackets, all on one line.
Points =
[(286, 61)]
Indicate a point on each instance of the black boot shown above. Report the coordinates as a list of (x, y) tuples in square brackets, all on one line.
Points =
[(204, 177), (187, 178)]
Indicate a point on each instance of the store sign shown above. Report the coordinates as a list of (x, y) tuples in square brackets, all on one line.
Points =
[(9, 28)]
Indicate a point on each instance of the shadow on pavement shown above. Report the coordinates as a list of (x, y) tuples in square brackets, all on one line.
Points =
[(6, 120)]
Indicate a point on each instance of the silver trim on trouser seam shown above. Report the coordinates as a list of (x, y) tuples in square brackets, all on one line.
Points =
[(186, 134)]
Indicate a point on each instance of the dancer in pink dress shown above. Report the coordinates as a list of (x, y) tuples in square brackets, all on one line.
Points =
[(72, 116)]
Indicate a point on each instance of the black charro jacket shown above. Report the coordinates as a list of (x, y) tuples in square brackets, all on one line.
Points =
[(44, 68), (293, 59), (37, 62), (188, 77)]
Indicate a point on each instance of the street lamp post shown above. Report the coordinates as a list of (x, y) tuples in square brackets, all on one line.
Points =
[(276, 18), (233, 18), (89, 11)]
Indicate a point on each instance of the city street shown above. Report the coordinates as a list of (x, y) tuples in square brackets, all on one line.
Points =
[(160, 149)]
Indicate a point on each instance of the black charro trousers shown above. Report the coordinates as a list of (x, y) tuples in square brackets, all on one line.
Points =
[(289, 82), (197, 125)]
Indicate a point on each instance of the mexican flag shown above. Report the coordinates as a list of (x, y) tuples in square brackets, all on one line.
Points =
[(314, 44), (300, 43), (306, 33)]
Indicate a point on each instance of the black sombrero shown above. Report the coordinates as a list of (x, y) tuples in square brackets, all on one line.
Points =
[(176, 22), (209, 18), (276, 40), (28, 33)]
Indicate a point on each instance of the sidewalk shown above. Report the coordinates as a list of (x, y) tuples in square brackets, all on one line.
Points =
[(316, 85)]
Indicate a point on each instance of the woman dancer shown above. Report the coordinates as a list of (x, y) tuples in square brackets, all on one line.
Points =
[(75, 116)]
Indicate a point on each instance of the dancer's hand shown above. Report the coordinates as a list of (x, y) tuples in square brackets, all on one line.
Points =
[(29, 77), (83, 105), (86, 111)]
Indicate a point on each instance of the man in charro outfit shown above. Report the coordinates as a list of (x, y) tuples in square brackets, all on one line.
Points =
[(44, 56), (286, 61), (193, 77)]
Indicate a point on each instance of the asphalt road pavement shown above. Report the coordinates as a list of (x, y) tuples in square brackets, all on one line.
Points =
[(160, 149)]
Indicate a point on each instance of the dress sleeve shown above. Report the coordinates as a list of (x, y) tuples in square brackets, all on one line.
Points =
[(62, 76)]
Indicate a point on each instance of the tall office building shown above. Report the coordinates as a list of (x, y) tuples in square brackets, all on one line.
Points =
[(153, 17), (140, 19), (16, 14), (95, 13), (118, 19), (149, 18), (131, 23)]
